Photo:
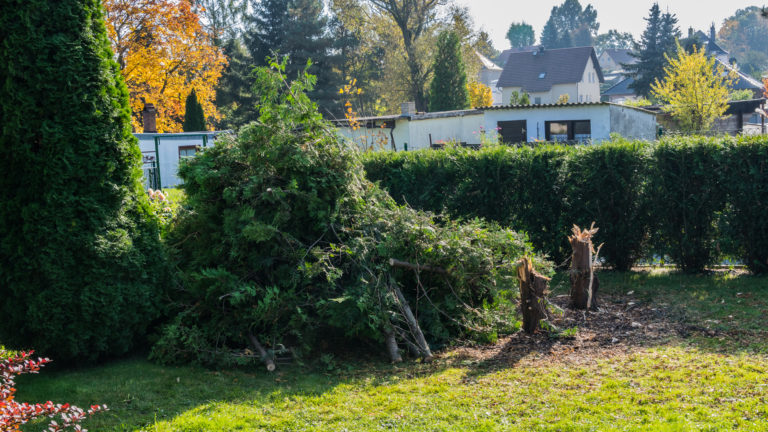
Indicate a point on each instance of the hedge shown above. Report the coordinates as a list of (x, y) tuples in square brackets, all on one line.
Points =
[(692, 200)]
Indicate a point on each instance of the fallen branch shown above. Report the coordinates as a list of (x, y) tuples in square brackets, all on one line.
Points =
[(262, 352), (413, 324), (397, 263)]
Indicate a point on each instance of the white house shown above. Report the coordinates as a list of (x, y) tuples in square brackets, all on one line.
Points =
[(581, 122), (162, 153), (548, 74)]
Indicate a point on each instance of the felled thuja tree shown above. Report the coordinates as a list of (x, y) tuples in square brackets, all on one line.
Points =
[(79, 248), (288, 246)]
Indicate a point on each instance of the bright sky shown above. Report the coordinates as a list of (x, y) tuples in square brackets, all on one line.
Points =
[(495, 16)]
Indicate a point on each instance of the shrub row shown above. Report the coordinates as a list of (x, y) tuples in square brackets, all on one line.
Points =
[(694, 200)]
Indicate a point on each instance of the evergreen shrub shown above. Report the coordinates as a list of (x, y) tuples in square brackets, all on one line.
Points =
[(693, 200), (80, 258)]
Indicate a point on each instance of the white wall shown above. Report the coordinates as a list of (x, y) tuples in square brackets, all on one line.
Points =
[(464, 128), (598, 115)]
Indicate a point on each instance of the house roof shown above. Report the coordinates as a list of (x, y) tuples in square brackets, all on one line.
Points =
[(621, 88), (504, 56), (620, 56), (487, 63), (538, 71), (742, 82)]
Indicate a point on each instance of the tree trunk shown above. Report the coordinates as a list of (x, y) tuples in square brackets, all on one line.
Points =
[(533, 288), (262, 352), (394, 351), (584, 282)]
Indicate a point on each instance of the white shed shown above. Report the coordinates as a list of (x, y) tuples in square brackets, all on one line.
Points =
[(162, 152)]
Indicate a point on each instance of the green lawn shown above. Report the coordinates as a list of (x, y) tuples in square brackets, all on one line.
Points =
[(706, 368)]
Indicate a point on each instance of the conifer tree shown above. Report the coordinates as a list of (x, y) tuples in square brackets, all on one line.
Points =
[(658, 39), (448, 90), (234, 97), (78, 245), (194, 117), (298, 29)]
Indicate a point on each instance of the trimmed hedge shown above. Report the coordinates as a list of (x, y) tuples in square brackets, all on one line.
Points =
[(691, 199)]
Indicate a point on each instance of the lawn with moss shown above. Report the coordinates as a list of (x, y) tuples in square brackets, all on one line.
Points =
[(689, 353)]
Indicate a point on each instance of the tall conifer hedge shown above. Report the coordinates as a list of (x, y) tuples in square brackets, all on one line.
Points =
[(79, 251)]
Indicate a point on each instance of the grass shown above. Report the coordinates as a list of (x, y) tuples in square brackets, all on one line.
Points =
[(713, 379)]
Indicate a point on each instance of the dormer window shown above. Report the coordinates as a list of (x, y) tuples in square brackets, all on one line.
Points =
[(542, 75)]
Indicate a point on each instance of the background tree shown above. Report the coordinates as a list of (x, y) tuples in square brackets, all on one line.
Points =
[(745, 36), (658, 40), (234, 98), (81, 261), (614, 39), (194, 117), (570, 25), (164, 52), (480, 95), (413, 18), (222, 19), (521, 35), (448, 90), (695, 91), (300, 30)]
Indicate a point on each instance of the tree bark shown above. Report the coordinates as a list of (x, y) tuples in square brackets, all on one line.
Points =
[(262, 352), (584, 281), (397, 263), (533, 288), (394, 351)]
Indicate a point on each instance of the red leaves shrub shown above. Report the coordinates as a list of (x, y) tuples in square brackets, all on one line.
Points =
[(14, 414)]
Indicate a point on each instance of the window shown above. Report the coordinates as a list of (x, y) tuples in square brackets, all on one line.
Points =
[(187, 151), (581, 98), (537, 101), (542, 75), (573, 131)]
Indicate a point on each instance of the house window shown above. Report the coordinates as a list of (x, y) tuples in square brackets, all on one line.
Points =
[(581, 98), (542, 75), (187, 151), (573, 131), (537, 101)]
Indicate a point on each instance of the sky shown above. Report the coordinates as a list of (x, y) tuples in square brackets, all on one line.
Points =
[(495, 16)]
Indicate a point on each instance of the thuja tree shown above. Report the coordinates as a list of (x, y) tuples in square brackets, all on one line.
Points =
[(194, 117), (288, 245), (78, 245), (448, 90)]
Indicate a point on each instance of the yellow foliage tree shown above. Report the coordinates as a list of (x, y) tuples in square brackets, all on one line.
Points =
[(695, 90), (164, 53), (480, 95)]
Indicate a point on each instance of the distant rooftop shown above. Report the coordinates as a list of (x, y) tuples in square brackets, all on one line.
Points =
[(539, 70)]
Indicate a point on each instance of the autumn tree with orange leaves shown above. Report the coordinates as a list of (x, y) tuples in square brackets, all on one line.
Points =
[(164, 53)]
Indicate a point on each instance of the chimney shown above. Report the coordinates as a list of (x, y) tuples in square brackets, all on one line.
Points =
[(712, 33), (408, 108), (149, 116)]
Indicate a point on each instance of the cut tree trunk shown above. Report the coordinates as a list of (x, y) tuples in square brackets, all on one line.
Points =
[(533, 288), (262, 352), (584, 282), (394, 351), (413, 324)]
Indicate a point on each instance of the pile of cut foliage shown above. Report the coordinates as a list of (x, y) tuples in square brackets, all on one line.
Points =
[(286, 245)]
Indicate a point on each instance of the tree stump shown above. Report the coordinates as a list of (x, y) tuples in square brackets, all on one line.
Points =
[(584, 282), (533, 288)]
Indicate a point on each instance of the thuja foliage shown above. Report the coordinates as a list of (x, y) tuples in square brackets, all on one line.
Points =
[(79, 249), (288, 241), (690, 200), (194, 117)]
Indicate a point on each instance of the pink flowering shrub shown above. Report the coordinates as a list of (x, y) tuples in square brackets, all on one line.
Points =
[(14, 414)]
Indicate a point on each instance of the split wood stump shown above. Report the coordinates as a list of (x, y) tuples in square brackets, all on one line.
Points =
[(533, 288), (584, 282)]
